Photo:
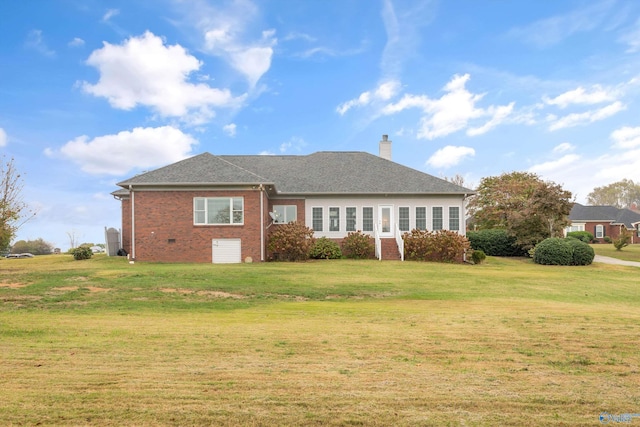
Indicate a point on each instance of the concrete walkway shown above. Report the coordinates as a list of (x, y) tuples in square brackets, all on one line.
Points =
[(609, 260)]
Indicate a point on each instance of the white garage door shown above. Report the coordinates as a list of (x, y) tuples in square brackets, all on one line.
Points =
[(226, 251)]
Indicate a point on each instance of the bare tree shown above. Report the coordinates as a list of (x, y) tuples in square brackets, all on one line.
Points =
[(73, 238), (12, 208)]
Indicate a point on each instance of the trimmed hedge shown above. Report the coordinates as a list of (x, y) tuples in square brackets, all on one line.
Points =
[(585, 236), (495, 242), (568, 251), (324, 248), (583, 254)]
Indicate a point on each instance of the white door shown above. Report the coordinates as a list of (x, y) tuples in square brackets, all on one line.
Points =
[(226, 251), (385, 220)]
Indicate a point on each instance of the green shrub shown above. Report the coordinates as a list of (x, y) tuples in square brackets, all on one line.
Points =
[(585, 236), (478, 256), (358, 245), (569, 251), (583, 254), (495, 242), (440, 246), (623, 239), (607, 239), (290, 242), (82, 252), (324, 248)]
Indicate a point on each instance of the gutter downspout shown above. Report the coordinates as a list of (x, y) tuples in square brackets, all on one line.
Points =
[(133, 223), (261, 188)]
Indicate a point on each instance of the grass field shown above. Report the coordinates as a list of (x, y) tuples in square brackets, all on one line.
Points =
[(628, 253), (508, 342)]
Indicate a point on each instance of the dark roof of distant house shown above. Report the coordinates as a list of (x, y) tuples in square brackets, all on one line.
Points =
[(610, 214), (318, 173)]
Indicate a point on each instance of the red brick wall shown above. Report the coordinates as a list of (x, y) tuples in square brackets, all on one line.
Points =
[(164, 229), (612, 231), (126, 225)]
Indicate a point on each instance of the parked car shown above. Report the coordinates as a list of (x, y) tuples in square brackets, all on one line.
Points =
[(24, 255)]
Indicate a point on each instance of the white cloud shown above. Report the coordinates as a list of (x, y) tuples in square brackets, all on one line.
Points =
[(385, 91), (143, 70), (626, 137), (553, 165), (564, 147), (580, 95), (293, 144), (110, 14), (230, 129), (76, 42), (118, 154), (498, 115), (226, 34), (36, 42), (591, 116), (552, 30), (3, 138), (449, 156), (632, 38), (582, 173), (452, 112)]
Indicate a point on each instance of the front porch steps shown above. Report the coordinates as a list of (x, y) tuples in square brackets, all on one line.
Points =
[(390, 250)]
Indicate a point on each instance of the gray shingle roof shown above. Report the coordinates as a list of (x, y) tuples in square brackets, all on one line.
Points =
[(317, 173), (604, 214)]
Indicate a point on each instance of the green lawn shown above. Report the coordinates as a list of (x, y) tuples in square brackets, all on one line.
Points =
[(628, 253), (508, 342)]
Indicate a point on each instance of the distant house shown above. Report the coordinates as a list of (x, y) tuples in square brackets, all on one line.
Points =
[(210, 208), (604, 221)]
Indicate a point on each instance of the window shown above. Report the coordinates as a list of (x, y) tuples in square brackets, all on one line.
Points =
[(454, 218), (367, 219), (285, 213), (218, 210), (316, 219), (436, 215), (334, 219), (421, 218), (599, 231), (576, 227), (403, 219), (351, 219)]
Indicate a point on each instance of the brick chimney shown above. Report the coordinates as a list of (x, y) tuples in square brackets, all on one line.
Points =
[(385, 147)]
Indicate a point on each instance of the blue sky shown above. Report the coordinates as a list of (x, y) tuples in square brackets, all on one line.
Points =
[(93, 92)]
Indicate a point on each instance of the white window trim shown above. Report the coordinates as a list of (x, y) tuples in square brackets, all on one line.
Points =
[(601, 234), (346, 219), (441, 218), (206, 213), (321, 218), (373, 220), (426, 216), (408, 208), (329, 210), (449, 219)]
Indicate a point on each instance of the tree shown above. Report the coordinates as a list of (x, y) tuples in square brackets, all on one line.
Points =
[(457, 180), (529, 208), (621, 194), (36, 247), (73, 238), (12, 208)]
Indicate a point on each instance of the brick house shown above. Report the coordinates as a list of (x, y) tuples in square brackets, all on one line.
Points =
[(604, 221), (210, 208)]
